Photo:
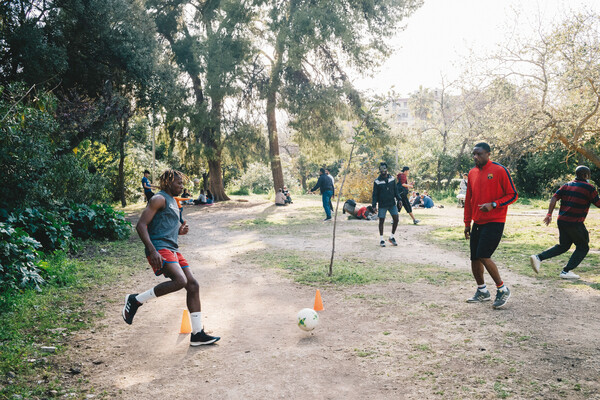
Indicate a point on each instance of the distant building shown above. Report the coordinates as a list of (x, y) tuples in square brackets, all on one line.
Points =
[(401, 108)]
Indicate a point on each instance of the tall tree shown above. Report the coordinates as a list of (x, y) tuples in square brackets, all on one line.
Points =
[(211, 44), (311, 42), (558, 76)]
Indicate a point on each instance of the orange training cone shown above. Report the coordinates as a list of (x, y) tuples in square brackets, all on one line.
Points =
[(186, 326), (318, 302)]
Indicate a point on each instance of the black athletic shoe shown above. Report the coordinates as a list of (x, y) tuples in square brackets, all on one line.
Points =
[(501, 298), (200, 338), (130, 308), (393, 241), (327, 219), (382, 243)]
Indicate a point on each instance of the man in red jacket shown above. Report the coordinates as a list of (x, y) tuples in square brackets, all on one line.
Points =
[(490, 190)]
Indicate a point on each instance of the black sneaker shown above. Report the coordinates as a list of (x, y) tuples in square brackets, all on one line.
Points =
[(416, 221), (200, 338), (327, 219), (130, 308), (393, 241), (480, 297), (382, 243), (501, 298)]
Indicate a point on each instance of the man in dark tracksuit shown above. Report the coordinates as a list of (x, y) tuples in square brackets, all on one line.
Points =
[(385, 195), (325, 183), (575, 199)]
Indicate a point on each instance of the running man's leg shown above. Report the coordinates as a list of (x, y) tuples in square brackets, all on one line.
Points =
[(171, 270), (178, 280), (193, 291), (580, 236), (564, 244)]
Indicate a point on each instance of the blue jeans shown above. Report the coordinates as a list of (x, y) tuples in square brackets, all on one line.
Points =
[(326, 195)]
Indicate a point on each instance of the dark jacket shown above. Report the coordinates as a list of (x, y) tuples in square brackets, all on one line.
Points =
[(385, 192), (324, 183)]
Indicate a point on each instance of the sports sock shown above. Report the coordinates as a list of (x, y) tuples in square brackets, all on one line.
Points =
[(147, 295), (381, 238), (501, 287), (196, 321), (392, 236), (482, 288)]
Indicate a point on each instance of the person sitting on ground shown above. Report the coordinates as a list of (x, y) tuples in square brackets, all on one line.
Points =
[(280, 198), (210, 199), (201, 198), (368, 213), (286, 193), (412, 197), (427, 201), (417, 201), (185, 198)]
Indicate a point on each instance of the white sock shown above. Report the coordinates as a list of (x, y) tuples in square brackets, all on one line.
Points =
[(147, 295), (381, 238), (482, 288), (196, 321), (392, 236)]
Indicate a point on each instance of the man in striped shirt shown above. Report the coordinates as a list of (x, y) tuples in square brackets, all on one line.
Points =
[(575, 199)]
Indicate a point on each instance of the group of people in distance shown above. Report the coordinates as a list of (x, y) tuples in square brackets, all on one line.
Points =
[(185, 198), (490, 190), (283, 197)]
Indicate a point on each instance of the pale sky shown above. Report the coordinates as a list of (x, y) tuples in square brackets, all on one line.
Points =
[(439, 35)]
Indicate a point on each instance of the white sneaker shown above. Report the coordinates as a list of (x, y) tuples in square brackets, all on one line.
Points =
[(535, 263), (568, 275)]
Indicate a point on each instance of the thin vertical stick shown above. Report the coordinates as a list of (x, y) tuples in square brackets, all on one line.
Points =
[(337, 205)]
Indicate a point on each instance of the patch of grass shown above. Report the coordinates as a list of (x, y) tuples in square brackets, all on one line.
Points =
[(350, 271), (364, 353), (501, 393), (423, 347), (30, 320)]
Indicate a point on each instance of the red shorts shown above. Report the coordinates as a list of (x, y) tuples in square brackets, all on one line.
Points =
[(169, 257)]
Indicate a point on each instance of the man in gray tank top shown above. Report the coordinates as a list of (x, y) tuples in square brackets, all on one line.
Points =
[(159, 228)]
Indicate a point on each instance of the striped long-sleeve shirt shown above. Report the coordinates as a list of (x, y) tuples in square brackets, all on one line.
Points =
[(575, 199)]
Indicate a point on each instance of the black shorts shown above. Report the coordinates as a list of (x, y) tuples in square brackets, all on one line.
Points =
[(148, 194), (404, 203), (485, 239)]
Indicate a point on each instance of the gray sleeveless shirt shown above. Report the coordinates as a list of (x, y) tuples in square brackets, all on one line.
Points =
[(164, 227)]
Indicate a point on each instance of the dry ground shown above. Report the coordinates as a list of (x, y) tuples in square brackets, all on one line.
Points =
[(411, 338)]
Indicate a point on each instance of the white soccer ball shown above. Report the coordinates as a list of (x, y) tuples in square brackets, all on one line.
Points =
[(308, 319)]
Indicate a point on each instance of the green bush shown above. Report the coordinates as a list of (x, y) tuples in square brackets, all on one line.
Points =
[(49, 228), (240, 192), (98, 221), (18, 257)]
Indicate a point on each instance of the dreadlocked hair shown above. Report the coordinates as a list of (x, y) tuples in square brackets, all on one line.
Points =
[(168, 177)]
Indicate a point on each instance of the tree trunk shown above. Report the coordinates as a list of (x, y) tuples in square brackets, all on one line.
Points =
[(303, 183), (215, 179), (122, 140), (274, 157), (273, 89)]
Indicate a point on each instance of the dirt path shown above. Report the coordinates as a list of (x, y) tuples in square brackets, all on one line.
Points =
[(416, 340)]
